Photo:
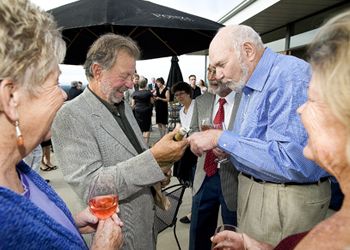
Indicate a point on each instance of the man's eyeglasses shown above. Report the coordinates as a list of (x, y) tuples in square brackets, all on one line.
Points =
[(179, 93), (211, 71)]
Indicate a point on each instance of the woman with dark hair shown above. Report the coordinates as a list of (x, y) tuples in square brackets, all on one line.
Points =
[(162, 98)]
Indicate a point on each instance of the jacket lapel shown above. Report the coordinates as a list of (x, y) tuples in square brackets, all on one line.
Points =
[(107, 121), (238, 96)]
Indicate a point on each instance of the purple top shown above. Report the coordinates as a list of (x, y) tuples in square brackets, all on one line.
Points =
[(40, 199)]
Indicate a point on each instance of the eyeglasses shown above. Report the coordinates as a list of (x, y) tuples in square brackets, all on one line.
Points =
[(211, 71), (179, 93)]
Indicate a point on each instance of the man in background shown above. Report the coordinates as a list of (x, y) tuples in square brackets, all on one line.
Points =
[(196, 91), (215, 180)]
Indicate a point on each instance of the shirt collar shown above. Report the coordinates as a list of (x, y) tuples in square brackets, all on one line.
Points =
[(230, 98), (262, 70), (112, 107)]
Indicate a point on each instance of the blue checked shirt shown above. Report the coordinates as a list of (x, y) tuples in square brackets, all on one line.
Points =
[(268, 137)]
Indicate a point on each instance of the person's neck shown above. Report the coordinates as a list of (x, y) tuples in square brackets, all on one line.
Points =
[(9, 156), (187, 104)]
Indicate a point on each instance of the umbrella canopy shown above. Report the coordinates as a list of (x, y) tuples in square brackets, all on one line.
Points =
[(174, 76), (159, 31)]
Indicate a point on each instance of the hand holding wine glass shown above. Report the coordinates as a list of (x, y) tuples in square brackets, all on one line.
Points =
[(103, 197), (206, 124), (227, 236)]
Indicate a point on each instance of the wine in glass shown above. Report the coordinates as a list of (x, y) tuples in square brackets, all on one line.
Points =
[(206, 124), (103, 197)]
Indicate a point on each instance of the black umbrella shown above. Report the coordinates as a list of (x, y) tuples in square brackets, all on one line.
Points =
[(175, 74), (159, 31)]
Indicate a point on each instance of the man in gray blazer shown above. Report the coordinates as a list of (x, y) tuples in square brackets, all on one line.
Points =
[(96, 139), (220, 189)]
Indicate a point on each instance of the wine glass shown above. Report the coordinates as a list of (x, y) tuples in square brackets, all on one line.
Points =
[(220, 126), (206, 124), (103, 197), (223, 228)]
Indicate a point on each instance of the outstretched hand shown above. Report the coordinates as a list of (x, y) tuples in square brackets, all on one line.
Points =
[(201, 142), (166, 150)]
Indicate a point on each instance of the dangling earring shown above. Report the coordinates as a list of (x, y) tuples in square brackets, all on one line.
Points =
[(20, 141)]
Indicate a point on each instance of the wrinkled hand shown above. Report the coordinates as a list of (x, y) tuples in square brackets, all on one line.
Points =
[(228, 240), (86, 221), (203, 141), (108, 234), (166, 150)]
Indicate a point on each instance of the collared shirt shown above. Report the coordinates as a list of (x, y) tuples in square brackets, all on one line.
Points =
[(268, 137), (228, 106), (118, 112)]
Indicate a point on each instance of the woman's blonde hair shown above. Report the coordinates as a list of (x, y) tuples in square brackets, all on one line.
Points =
[(329, 57), (30, 45)]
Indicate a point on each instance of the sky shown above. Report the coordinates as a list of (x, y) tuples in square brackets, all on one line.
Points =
[(189, 64)]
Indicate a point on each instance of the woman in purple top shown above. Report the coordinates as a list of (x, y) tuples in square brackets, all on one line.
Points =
[(32, 216)]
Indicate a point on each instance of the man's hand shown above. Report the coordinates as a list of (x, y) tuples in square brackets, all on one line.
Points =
[(166, 150), (203, 141)]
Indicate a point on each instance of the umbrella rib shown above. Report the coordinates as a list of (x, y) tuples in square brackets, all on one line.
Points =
[(162, 41), (92, 32), (133, 30), (202, 33), (75, 37)]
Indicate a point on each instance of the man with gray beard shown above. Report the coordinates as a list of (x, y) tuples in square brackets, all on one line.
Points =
[(280, 192), (216, 188), (98, 142)]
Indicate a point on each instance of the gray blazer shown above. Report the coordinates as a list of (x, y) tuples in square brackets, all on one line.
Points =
[(91, 148), (228, 174)]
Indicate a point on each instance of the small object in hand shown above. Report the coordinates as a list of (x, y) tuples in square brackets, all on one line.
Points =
[(180, 134)]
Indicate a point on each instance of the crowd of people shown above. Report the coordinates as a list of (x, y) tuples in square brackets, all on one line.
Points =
[(266, 138)]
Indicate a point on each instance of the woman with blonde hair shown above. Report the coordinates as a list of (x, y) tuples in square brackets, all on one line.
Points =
[(326, 117), (32, 216)]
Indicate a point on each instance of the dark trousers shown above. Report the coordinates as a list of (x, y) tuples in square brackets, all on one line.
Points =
[(205, 210)]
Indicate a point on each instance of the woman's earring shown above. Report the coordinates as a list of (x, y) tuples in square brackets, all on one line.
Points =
[(20, 141)]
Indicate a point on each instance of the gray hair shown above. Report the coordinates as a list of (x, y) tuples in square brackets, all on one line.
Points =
[(239, 34), (104, 51), (142, 82), (329, 58), (31, 46)]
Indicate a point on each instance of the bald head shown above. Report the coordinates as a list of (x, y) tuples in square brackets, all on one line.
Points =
[(234, 52)]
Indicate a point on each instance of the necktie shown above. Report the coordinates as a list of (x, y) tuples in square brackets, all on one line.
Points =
[(210, 166)]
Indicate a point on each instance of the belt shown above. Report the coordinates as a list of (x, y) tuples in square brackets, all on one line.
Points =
[(323, 179)]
